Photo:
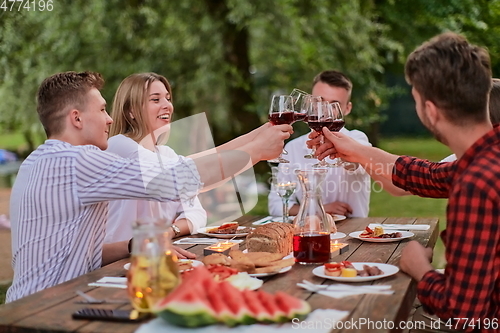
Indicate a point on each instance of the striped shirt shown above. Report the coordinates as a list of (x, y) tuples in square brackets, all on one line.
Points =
[(59, 207)]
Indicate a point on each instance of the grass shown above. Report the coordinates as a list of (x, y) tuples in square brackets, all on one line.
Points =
[(13, 141), (385, 205)]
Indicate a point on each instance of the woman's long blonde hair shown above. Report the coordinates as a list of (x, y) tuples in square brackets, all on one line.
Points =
[(128, 105)]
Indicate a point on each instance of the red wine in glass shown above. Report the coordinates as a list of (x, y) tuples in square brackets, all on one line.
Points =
[(336, 125), (301, 116), (317, 125), (279, 118), (311, 248)]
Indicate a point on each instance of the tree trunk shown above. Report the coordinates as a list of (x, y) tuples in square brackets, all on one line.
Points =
[(239, 83)]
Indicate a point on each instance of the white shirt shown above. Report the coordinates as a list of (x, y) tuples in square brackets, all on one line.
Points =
[(59, 207), (451, 158), (351, 187), (123, 213)]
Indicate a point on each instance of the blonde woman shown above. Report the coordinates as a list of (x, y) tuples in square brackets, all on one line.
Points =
[(142, 105)]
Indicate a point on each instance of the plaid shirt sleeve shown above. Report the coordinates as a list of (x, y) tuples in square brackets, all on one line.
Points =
[(422, 177), (469, 287)]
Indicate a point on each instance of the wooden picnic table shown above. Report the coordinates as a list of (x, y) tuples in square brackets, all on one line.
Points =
[(50, 310)]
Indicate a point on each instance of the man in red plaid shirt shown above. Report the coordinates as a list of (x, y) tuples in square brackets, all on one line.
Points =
[(451, 81)]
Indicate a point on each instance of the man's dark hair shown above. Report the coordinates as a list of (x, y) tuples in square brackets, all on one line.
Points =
[(60, 93), (335, 79), (454, 75)]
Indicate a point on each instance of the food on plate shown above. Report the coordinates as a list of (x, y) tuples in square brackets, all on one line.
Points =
[(225, 228), (331, 219), (250, 262), (229, 228), (274, 237), (216, 259), (378, 233), (201, 301), (333, 269), (276, 267), (184, 264), (348, 272), (347, 269)]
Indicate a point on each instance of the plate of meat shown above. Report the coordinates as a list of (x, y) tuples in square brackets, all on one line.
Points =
[(355, 271), (377, 235), (226, 230)]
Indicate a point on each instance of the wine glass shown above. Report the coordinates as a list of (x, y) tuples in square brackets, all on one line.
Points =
[(308, 103), (282, 185), (281, 112), (299, 105), (335, 126), (321, 115)]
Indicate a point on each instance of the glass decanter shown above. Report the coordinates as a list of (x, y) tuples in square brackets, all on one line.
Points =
[(153, 269), (311, 239)]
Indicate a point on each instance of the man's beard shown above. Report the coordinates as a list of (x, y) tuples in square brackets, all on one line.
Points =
[(437, 135)]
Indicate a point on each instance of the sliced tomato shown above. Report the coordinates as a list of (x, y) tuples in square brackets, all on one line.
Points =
[(347, 264), (333, 267)]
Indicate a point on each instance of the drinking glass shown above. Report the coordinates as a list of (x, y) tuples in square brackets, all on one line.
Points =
[(299, 105), (307, 105), (281, 112), (320, 115), (153, 271), (336, 125), (283, 184)]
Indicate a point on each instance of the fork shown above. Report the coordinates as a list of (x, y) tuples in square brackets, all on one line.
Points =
[(92, 300)]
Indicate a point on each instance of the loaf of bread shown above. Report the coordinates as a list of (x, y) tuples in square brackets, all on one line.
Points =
[(274, 237)]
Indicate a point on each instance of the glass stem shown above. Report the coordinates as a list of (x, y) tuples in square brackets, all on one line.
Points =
[(285, 210)]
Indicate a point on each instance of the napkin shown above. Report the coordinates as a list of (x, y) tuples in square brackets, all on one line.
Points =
[(111, 282), (340, 294), (203, 241), (344, 290), (318, 321), (422, 227)]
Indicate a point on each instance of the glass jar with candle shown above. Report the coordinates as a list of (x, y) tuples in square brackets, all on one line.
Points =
[(153, 269), (311, 239)]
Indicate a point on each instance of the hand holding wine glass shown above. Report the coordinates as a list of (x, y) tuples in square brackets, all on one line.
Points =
[(320, 115), (281, 112)]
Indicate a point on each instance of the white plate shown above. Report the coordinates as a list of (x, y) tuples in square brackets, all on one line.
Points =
[(386, 268), (337, 235), (194, 263), (203, 231), (338, 217), (405, 234), (283, 270)]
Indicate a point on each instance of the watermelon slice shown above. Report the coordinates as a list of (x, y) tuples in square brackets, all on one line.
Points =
[(292, 306), (236, 303), (188, 309), (260, 313), (269, 303), (200, 301), (222, 311)]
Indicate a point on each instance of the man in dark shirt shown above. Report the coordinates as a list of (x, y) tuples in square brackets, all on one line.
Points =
[(451, 81)]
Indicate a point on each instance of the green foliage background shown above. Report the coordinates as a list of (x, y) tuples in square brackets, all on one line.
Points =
[(227, 57)]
